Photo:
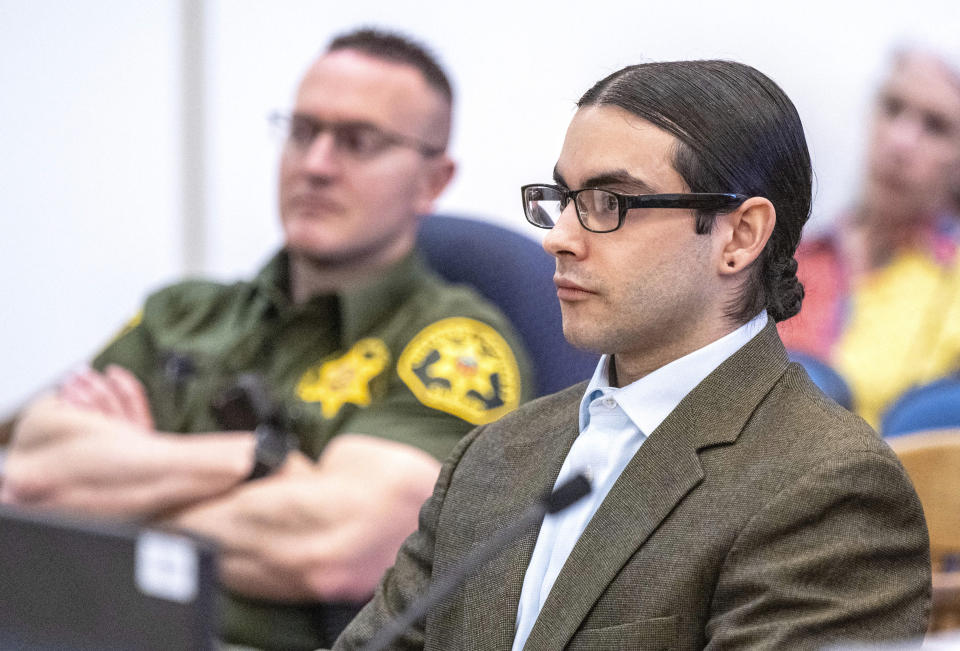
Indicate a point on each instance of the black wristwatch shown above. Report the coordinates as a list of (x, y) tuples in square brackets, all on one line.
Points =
[(273, 446)]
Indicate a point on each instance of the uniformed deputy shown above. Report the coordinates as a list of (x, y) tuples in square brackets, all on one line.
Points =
[(356, 368)]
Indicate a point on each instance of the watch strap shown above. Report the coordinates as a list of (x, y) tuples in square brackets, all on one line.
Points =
[(271, 449)]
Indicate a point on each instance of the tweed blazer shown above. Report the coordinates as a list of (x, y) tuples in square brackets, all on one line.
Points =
[(758, 515)]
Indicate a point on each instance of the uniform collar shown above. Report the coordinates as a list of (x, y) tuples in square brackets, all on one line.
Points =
[(361, 307)]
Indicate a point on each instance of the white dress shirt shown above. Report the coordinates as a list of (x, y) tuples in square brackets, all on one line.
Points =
[(614, 423)]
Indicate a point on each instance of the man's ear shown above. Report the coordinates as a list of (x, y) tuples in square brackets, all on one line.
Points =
[(434, 180), (746, 231)]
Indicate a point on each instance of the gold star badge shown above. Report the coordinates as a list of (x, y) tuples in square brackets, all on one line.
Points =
[(345, 379), (463, 367)]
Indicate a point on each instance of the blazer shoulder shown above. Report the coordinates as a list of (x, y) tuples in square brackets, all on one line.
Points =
[(550, 407), (800, 413)]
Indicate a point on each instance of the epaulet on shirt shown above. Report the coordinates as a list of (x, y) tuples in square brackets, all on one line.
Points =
[(175, 301), (186, 294), (191, 299)]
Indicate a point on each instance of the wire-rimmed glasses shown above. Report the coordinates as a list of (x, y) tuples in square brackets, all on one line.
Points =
[(358, 139)]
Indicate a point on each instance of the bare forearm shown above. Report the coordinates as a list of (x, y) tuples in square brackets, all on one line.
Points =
[(265, 530), (326, 532), (69, 459)]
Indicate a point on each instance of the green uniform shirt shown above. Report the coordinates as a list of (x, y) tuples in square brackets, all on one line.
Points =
[(406, 358)]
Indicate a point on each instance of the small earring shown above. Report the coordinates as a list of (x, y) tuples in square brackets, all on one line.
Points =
[(731, 263)]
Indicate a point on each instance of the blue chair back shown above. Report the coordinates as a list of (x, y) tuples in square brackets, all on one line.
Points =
[(825, 377), (932, 406), (514, 273)]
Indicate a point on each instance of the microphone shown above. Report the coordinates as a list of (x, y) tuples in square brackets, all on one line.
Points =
[(567, 494)]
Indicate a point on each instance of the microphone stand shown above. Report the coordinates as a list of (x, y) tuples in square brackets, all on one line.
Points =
[(567, 494)]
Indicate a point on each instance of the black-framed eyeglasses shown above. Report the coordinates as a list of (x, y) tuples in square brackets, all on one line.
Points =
[(603, 211), (357, 139)]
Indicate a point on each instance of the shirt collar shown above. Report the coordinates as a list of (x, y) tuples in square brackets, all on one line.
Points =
[(361, 307), (649, 400)]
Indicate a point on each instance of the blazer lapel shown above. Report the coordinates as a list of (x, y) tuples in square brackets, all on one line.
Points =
[(531, 463), (663, 471)]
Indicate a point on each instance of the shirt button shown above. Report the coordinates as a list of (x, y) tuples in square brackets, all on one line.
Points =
[(610, 403)]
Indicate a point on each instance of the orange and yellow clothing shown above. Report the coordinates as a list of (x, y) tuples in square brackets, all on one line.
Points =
[(888, 330)]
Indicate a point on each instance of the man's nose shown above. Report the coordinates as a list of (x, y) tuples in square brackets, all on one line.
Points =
[(567, 235), (321, 156)]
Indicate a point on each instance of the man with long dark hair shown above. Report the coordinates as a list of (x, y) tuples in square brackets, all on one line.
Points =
[(733, 505)]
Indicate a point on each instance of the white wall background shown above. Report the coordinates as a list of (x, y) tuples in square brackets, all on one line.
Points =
[(91, 186)]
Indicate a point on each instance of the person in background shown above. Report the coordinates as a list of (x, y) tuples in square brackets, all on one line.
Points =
[(328, 388), (733, 505), (882, 301)]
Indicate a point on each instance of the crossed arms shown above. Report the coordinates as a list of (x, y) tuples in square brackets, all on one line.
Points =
[(322, 530)]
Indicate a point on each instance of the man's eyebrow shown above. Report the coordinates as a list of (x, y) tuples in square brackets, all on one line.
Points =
[(614, 177), (349, 124), (558, 177), (619, 178)]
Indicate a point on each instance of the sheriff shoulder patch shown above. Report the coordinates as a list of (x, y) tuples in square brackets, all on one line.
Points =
[(344, 379), (463, 367)]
